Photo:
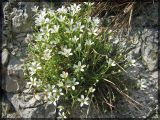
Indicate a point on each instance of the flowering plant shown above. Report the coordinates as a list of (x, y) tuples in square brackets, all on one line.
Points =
[(73, 59)]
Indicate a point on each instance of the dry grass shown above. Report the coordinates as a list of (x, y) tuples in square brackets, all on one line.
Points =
[(120, 13)]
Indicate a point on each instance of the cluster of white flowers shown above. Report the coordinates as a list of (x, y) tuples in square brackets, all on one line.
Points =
[(63, 41)]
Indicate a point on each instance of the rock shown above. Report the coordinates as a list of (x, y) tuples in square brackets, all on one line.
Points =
[(43, 111), (150, 48), (19, 17), (31, 108), (13, 115), (154, 75), (20, 20), (5, 56), (49, 110), (14, 80), (147, 18), (20, 35), (15, 67), (23, 101), (7, 107), (20, 38), (10, 85)]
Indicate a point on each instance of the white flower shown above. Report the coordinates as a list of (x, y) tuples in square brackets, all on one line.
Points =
[(70, 22), (62, 10), (71, 83), (60, 84), (75, 39), (71, 29), (54, 29), (96, 21), (91, 89), (60, 108), (79, 67), (34, 67), (50, 88), (47, 54), (44, 32), (89, 43), (80, 26), (65, 51), (41, 18), (35, 8), (53, 97), (59, 92), (64, 74), (61, 18), (33, 82), (93, 31), (51, 12), (62, 115), (74, 8), (83, 101), (111, 62)]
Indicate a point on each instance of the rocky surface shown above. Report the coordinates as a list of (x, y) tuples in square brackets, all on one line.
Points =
[(19, 102)]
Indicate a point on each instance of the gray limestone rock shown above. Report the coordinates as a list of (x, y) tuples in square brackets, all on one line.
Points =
[(14, 80), (5, 56), (15, 67), (30, 107), (10, 85), (150, 48)]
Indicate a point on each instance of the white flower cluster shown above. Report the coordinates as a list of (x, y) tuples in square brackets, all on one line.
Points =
[(51, 22), (61, 45)]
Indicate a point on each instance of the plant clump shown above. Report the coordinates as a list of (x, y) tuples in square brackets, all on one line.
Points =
[(73, 60)]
